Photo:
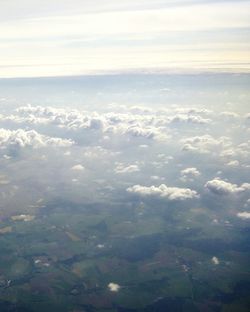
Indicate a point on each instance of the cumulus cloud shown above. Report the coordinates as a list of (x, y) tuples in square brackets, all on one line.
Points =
[(114, 287), (193, 110), (69, 119), (245, 186), (243, 215), (140, 110), (241, 150), (155, 177), (23, 217), (189, 174), (215, 260), (78, 167), (163, 191), (204, 144), (229, 114), (185, 118), (220, 187), (120, 168), (136, 122), (31, 138), (233, 163), (148, 132)]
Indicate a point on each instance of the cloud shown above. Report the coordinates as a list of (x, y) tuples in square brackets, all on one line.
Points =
[(190, 119), (131, 122), (114, 287), (21, 138), (247, 116), (220, 187), (4, 180), (70, 119), (204, 144), (215, 260), (189, 174), (193, 111), (78, 167), (143, 131), (148, 126), (23, 217), (241, 150), (120, 168), (247, 204), (163, 191), (233, 163), (244, 215), (92, 152), (140, 110), (229, 115), (155, 177)]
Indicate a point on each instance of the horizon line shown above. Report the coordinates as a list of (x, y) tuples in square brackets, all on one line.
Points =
[(146, 72)]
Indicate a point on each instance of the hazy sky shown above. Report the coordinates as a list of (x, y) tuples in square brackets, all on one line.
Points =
[(47, 38)]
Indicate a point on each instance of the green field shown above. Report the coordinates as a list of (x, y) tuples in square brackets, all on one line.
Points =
[(64, 261)]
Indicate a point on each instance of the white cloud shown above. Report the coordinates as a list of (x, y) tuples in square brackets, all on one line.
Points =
[(31, 138), (215, 260), (241, 150), (22, 217), (189, 174), (8, 157), (78, 167), (155, 177), (244, 215), (233, 163), (92, 152), (205, 143), (100, 246), (230, 115), (247, 204), (148, 132), (120, 168), (191, 171), (114, 287), (143, 146), (220, 187), (193, 111), (128, 124), (245, 186), (163, 191), (140, 110), (190, 119), (70, 119)]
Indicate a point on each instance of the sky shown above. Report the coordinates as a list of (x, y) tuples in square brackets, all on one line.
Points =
[(58, 38)]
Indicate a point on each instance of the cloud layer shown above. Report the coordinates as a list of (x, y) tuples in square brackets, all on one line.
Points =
[(140, 152)]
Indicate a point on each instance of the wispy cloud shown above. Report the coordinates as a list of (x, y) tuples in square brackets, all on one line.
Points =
[(182, 35)]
